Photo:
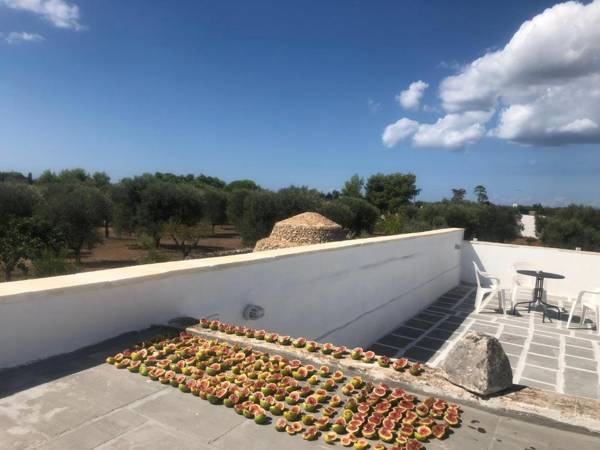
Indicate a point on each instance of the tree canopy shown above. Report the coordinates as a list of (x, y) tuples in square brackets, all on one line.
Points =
[(390, 192)]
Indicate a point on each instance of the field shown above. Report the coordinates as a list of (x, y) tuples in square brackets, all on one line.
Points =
[(121, 251)]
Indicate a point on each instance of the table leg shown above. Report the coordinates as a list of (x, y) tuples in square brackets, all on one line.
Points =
[(533, 299)]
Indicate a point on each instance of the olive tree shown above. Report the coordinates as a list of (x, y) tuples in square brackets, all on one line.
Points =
[(18, 238), (215, 205), (75, 211), (260, 214), (186, 237), (162, 201)]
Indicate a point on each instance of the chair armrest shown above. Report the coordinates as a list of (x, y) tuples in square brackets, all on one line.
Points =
[(490, 277), (582, 293)]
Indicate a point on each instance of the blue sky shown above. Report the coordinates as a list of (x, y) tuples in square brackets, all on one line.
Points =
[(296, 92)]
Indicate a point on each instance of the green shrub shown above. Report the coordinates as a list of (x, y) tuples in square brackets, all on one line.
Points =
[(390, 224), (50, 263), (337, 211), (261, 211), (364, 215)]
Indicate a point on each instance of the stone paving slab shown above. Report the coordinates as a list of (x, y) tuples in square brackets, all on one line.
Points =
[(544, 355)]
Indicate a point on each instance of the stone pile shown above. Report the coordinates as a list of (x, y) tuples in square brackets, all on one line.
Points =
[(304, 229)]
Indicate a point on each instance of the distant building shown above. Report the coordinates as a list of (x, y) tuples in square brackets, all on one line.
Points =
[(528, 222)]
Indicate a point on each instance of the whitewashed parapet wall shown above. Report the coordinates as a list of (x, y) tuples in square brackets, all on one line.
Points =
[(581, 269), (350, 293)]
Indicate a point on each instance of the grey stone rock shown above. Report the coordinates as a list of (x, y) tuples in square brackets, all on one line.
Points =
[(478, 364)]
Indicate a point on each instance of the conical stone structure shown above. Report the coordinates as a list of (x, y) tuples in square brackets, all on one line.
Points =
[(304, 229)]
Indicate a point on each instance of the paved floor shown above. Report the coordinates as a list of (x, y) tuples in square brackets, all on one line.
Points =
[(544, 355), (77, 402)]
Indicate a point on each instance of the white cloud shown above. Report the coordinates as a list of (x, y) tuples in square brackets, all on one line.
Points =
[(399, 131), (14, 37), (453, 131), (60, 13), (544, 84), (411, 97)]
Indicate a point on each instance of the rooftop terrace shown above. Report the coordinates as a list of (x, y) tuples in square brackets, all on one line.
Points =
[(402, 295), (76, 401), (544, 355)]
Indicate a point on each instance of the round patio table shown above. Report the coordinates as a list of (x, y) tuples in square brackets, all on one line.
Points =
[(538, 292)]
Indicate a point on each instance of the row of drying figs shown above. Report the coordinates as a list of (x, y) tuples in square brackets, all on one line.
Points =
[(339, 352), (300, 399)]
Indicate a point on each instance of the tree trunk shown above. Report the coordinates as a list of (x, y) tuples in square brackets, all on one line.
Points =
[(156, 241), (78, 255), (7, 275), (106, 231)]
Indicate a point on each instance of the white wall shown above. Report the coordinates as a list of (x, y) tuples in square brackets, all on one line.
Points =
[(350, 293), (581, 269)]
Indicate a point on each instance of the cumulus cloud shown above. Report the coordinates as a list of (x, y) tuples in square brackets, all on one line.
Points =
[(60, 13), (453, 131), (543, 85), (399, 131), (14, 37), (411, 97)]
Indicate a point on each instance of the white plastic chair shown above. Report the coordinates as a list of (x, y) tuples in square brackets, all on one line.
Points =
[(587, 299), (482, 291), (521, 282)]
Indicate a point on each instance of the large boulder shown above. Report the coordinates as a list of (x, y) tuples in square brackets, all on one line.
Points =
[(478, 364), (304, 229)]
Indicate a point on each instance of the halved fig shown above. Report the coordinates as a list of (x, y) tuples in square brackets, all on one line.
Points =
[(308, 419), (409, 418), (422, 433), (368, 357), (291, 429), (369, 431), (356, 353), (327, 348), (428, 421), (414, 445), (280, 424), (310, 434), (348, 440), (439, 430), (451, 419), (361, 444), (330, 437), (385, 434), (299, 342), (388, 423), (339, 425), (134, 366), (310, 403), (347, 389), (352, 428), (422, 410), (401, 439), (380, 391), (323, 423), (383, 361), (335, 401), (406, 430), (400, 364)]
